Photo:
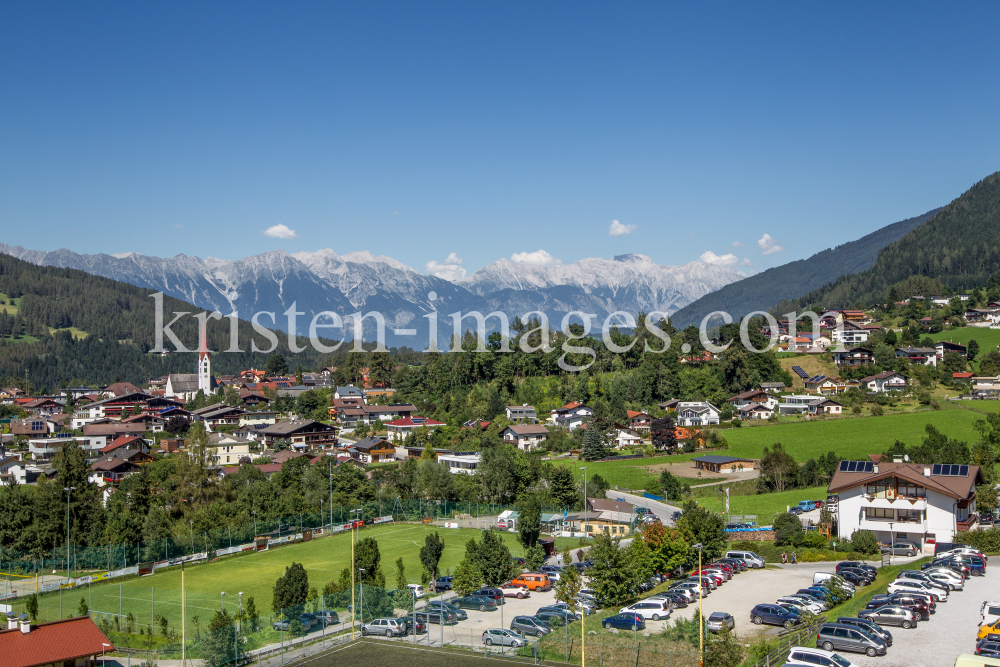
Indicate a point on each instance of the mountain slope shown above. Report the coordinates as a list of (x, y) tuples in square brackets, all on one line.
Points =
[(959, 246), (763, 290)]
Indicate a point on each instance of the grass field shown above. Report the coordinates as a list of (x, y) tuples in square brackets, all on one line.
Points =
[(629, 473), (986, 337), (810, 363), (766, 505), (254, 575), (369, 652)]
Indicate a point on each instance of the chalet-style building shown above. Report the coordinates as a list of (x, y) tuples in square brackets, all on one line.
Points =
[(373, 450), (854, 356), (884, 382), (302, 434), (400, 428), (525, 436), (521, 414), (697, 413), (571, 415), (918, 355), (638, 421)]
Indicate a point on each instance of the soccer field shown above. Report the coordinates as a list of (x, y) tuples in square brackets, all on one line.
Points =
[(369, 652), (254, 575)]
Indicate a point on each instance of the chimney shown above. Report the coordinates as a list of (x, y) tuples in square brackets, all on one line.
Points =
[(875, 468), (11, 621), (25, 624), (927, 472)]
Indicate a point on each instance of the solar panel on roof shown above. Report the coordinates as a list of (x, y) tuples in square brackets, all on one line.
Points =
[(950, 470), (964, 472), (843, 466), (936, 470), (857, 466)]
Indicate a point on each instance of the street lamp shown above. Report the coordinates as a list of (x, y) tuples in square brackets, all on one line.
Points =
[(361, 571), (701, 618), (221, 602), (68, 490), (192, 535), (104, 647)]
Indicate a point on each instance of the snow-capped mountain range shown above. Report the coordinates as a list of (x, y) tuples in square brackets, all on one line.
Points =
[(360, 281)]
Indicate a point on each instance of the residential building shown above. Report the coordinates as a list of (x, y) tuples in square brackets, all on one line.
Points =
[(525, 436), (850, 334), (945, 346), (854, 356), (697, 413), (259, 418), (985, 385), (988, 316), (44, 449), (398, 429), (14, 470), (373, 450), (671, 404), (521, 414), (571, 415), (918, 355), (884, 382), (826, 406), (71, 642), (302, 434), (911, 502), (754, 397), (626, 437), (228, 449), (772, 387), (752, 411), (464, 464), (724, 464), (350, 391), (33, 427), (403, 453), (111, 469), (638, 421), (615, 524)]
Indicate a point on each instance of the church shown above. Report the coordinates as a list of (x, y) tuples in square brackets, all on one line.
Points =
[(184, 386)]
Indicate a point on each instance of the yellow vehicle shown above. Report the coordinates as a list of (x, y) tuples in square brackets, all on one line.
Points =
[(987, 629)]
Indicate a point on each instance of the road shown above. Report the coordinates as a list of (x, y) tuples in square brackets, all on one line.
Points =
[(663, 510)]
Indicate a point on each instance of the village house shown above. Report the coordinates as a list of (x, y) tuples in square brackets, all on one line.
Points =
[(14, 470), (398, 429), (918, 355), (373, 450), (71, 642), (724, 464), (854, 356), (944, 346), (571, 415), (302, 434), (989, 316), (615, 524), (638, 421), (754, 397), (460, 464), (350, 391), (403, 453), (33, 427), (985, 385), (850, 334), (884, 382), (521, 414), (697, 413), (751, 411), (909, 502), (228, 449), (626, 437), (525, 436), (111, 469)]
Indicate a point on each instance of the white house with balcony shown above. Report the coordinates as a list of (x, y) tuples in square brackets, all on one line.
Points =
[(697, 413), (906, 502), (460, 464)]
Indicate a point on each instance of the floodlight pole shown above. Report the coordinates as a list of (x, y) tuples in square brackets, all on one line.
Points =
[(68, 490), (701, 613)]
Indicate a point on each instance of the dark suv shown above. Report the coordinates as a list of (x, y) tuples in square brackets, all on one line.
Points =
[(857, 565), (872, 628), (530, 626), (495, 594), (919, 607), (774, 614)]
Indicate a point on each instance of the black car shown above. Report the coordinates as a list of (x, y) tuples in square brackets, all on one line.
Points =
[(475, 602), (918, 607), (408, 624), (988, 647), (437, 616), (735, 563), (857, 565), (856, 579), (953, 565), (676, 600), (871, 627), (447, 608), (551, 618), (495, 594), (867, 576)]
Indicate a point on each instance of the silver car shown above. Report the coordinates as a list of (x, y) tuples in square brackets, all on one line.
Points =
[(389, 627), (503, 637)]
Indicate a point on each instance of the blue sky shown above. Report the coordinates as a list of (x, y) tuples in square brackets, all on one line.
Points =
[(418, 130)]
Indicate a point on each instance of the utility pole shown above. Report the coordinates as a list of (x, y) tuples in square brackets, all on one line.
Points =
[(584, 469), (68, 490), (701, 610)]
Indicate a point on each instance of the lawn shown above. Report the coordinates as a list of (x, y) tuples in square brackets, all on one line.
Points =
[(627, 474), (254, 575), (766, 505), (986, 337)]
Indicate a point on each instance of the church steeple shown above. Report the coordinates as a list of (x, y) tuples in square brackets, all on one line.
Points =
[(204, 363)]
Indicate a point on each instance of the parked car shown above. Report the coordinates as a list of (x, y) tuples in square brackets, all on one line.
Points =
[(285, 624), (573, 611), (495, 594), (796, 511), (848, 638), (533, 581), (773, 614), (816, 592), (989, 631), (409, 625), (677, 600), (864, 575), (946, 575), (718, 620), (988, 648), (891, 614), (515, 591), (912, 586), (989, 612), (711, 582), (553, 609), (963, 551), (417, 590), (802, 604), (624, 621), (917, 606), (651, 610), (871, 627), (442, 584), (690, 593), (954, 564), (676, 515), (750, 558), (802, 656), (454, 610), (475, 602), (553, 619), (901, 549), (854, 577), (809, 598), (388, 627), (926, 579), (552, 571), (530, 626), (737, 564), (857, 565), (437, 617), (327, 617), (503, 637)]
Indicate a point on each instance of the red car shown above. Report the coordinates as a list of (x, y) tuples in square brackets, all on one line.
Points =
[(717, 577)]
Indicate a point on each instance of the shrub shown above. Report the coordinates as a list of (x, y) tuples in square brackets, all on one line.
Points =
[(877, 410), (864, 542), (787, 528), (987, 541)]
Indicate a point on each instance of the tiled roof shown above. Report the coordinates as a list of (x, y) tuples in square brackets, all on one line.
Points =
[(955, 487), (528, 429), (414, 421), (56, 641)]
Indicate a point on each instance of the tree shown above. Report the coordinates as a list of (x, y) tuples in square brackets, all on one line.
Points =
[(668, 548), (569, 584), (972, 350), (736, 370), (723, 649), (865, 542), (83, 609), (529, 521), (673, 488), (494, 562), (534, 557), (597, 486), (990, 364), (593, 448), (31, 606), (705, 527), (663, 433), (251, 615), (787, 527), (221, 645), (467, 577), (562, 486), (276, 366), (610, 576), (778, 470), (291, 589), (953, 362), (430, 554), (368, 558)]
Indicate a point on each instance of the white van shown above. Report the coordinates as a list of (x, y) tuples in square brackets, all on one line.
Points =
[(749, 557), (820, 577)]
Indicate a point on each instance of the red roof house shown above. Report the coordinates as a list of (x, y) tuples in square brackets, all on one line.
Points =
[(53, 643)]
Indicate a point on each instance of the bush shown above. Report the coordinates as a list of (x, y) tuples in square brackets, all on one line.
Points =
[(877, 410), (787, 529), (864, 541), (987, 541), (812, 539)]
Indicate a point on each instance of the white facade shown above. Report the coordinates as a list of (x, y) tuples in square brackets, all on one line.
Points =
[(460, 464), (700, 413), (883, 383)]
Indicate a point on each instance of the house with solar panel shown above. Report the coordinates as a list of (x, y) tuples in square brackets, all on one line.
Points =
[(901, 501)]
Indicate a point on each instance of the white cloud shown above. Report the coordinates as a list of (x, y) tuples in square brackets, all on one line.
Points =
[(618, 229), (537, 257), (450, 269), (738, 244), (769, 245), (710, 257), (746, 262), (280, 232)]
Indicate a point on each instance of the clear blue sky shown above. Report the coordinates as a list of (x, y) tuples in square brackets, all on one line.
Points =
[(417, 130)]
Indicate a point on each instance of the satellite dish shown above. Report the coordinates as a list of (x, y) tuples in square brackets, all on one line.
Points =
[(906, 457)]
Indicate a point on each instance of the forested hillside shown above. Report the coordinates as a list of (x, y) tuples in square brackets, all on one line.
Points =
[(764, 290), (960, 247), (120, 322)]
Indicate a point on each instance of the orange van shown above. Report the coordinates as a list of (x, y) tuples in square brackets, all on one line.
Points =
[(533, 581)]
